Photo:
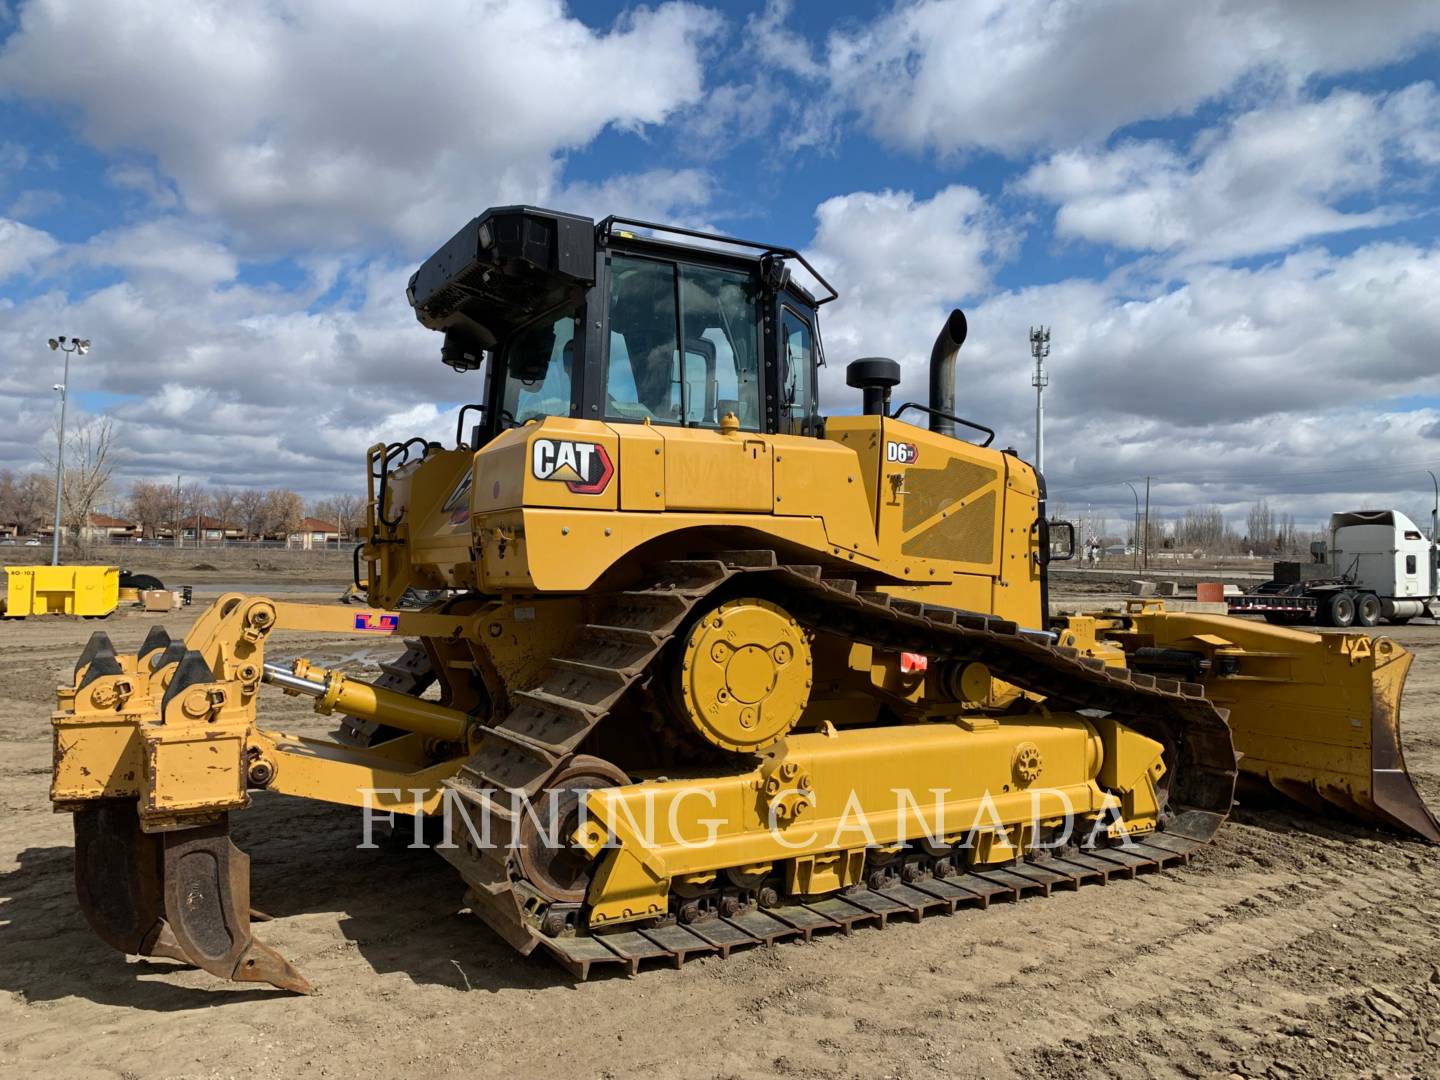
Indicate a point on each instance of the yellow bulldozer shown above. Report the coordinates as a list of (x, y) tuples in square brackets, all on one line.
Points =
[(704, 667)]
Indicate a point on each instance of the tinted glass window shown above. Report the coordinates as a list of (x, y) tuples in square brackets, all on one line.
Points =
[(797, 375), (1409, 564), (642, 383), (722, 346), (649, 378), (538, 365)]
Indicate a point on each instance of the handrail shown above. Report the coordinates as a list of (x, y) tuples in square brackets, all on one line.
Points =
[(607, 226), (460, 442), (989, 432)]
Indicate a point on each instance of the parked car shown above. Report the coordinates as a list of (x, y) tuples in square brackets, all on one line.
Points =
[(8, 541), (32, 542)]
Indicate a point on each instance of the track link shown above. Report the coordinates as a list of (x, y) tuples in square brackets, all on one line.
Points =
[(856, 907), (549, 722)]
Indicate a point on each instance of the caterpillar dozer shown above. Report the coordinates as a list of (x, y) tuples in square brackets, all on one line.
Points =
[(704, 668)]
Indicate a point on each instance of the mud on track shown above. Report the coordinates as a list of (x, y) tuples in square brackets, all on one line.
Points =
[(1295, 946)]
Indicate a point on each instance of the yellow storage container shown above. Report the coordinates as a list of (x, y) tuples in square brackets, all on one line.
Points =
[(92, 591)]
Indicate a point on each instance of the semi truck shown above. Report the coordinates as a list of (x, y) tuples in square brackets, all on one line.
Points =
[(1380, 567)]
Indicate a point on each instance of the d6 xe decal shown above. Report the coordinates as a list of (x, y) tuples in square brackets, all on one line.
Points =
[(583, 467), (903, 452)]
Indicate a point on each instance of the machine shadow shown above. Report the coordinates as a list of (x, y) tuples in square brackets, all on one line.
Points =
[(49, 952), (400, 908), (1263, 808)]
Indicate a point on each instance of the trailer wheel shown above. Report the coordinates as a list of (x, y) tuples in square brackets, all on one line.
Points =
[(1367, 609), (1338, 609)]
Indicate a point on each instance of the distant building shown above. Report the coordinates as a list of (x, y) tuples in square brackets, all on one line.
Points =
[(208, 529), (105, 527), (314, 533)]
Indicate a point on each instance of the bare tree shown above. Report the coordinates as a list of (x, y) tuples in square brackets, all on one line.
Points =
[(341, 510), (88, 469), (348, 511), (194, 506), (36, 496), (15, 500), (152, 505), (283, 512), (250, 509), (1260, 526), (323, 509), (225, 505), (1202, 528)]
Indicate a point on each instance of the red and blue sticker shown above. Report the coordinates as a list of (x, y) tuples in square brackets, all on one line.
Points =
[(372, 623)]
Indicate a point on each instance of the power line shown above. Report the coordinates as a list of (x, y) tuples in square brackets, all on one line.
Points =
[(1388, 469)]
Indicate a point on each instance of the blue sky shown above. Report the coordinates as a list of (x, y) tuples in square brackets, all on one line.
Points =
[(1225, 211)]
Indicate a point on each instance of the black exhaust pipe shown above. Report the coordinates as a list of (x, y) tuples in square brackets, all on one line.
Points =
[(942, 372)]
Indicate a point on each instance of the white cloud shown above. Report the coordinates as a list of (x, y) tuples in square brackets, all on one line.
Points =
[(779, 47), (32, 202), (13, 157), (142, 179), (163, 246), (898, 262), (1235, 377), (1007, 75), (1267, 180), (324, 126), (229, 383), (22, 247), (674, 197)]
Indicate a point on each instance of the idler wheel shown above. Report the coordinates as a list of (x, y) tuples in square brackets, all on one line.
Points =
[(548, 857)]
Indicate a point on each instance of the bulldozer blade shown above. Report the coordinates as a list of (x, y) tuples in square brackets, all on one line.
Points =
[(1340, 746), (207, 908)]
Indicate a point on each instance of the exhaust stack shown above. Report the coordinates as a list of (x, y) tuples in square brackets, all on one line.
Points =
[(942, 371)]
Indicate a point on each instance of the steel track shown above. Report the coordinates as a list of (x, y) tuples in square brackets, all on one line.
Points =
[(548, 724)]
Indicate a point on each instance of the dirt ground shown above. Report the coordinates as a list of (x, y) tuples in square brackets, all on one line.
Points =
[(1293, 947)]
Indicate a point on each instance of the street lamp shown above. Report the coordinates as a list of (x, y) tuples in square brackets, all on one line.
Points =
[(67, 346), (1135, 532)]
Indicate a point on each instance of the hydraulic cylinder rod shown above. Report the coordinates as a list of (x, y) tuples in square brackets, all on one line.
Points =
[(333, 691)]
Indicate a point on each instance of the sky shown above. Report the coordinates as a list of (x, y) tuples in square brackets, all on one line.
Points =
[(1225, 211)]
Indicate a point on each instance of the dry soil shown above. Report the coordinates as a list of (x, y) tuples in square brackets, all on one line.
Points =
[(1294, 946)]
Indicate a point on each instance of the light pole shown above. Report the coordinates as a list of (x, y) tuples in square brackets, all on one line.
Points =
[(1135, 531), (1040, 349), (67, 346)]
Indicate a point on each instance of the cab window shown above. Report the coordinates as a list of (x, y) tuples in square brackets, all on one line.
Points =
[(654, 307), (797, 374), (538, 369)]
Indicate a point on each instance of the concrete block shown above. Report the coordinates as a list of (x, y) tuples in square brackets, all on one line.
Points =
[(1168, 588), (1142, 588)]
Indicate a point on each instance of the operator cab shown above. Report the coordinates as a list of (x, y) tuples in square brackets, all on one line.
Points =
[(608, 323)]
